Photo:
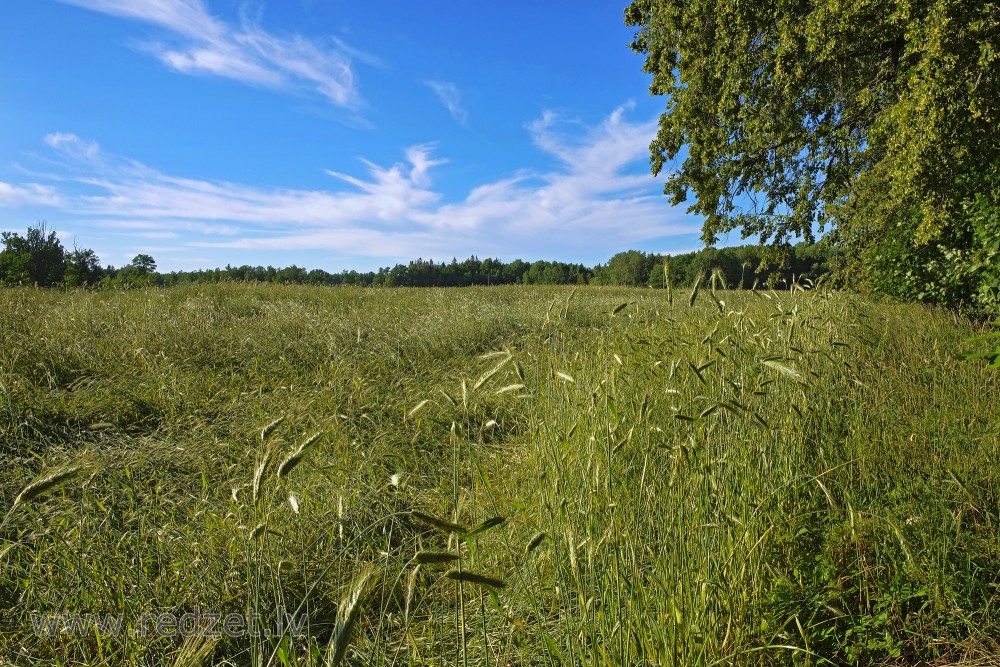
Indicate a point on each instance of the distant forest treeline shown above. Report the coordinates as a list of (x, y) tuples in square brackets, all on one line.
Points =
[(739, 265), (39, 259)]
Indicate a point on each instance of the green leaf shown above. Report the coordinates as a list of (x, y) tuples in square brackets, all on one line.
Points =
[(620, 308), (485, 526)]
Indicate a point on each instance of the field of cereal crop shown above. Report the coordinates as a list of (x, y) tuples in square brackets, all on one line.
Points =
[(493, 476)]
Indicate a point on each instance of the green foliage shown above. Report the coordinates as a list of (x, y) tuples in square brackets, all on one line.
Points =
[(878, 119), (628, 269), (38, 258), (417, 273), (742, 267), (143, 263), (82, 268), (737, 267), (990, 354), (960, 267), (555, 273), (129, 277), (140, 272)]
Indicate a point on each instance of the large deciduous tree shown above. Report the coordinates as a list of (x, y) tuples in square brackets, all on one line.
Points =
[(879, 119), (36, 258), (39, 258), (83, 268)]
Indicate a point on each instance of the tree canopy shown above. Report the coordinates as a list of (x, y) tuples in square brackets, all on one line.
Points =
[(36, 258), (143, 263), (879, 119)]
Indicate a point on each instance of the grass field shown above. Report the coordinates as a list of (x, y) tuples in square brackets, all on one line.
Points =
[(494, 476)]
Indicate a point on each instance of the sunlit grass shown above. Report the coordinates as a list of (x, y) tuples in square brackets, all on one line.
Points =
[(497, 476)]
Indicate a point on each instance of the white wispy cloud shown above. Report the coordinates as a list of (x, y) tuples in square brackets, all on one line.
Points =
[(73, 146), (450, 97), (596, 200), (196, 42), (28, 194)]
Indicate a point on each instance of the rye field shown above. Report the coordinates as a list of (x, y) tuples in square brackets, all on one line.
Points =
[(278, 475)]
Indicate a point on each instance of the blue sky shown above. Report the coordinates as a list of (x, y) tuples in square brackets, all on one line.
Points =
[(328, 133)]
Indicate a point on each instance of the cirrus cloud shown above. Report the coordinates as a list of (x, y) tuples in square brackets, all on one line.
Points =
[(449, 95), (196, 42), (598, 198), (29, 194)]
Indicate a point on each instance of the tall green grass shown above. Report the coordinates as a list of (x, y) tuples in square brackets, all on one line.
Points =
[(498, 476)]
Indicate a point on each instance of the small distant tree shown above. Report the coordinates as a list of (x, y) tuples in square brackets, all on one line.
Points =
[(143, 264), (140, 272)]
